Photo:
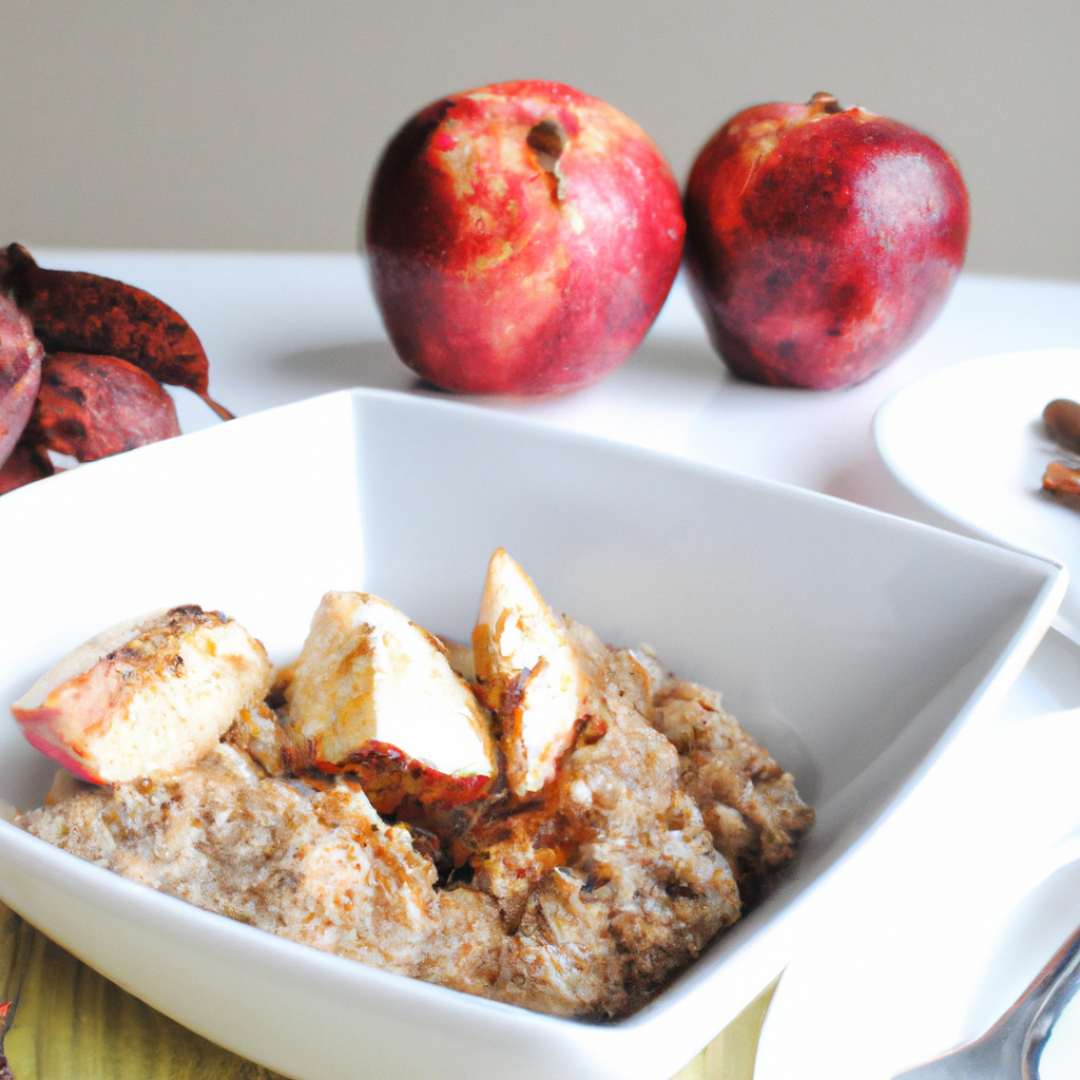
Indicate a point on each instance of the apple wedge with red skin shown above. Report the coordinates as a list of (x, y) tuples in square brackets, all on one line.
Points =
[(522, 238), (529, 673), (148, 696), (373, 694), (821, 241)]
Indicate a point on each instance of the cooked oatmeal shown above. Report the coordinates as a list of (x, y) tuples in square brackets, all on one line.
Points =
[(582, 899)]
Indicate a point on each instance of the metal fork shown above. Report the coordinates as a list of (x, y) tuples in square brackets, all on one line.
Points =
[(1011, 1049)]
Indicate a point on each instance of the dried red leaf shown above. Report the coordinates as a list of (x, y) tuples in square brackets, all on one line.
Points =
[(94, 406), (20, 373), (25, 464), (76, 312)]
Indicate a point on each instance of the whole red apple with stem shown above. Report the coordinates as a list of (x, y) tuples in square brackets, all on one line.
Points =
[(522, 238), (821, 241)]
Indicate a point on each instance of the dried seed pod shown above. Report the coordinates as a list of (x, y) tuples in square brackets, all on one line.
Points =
[(72, 311), (25, 464), (94, 406), (20, 373)]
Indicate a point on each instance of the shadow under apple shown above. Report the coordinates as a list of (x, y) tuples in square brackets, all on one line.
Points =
[(340, 367), (375, 364)]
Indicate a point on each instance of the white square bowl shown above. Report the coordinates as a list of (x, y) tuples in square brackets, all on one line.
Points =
[(849, 642)]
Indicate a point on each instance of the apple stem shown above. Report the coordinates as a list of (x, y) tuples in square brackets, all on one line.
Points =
[(547, 140), (825, 103)]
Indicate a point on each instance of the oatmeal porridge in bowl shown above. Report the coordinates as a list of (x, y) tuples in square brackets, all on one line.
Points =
[(557, 824)]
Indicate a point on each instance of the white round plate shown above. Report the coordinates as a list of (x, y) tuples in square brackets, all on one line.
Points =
[(969, 442)]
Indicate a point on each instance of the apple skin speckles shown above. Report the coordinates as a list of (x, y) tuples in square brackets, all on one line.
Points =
[(522, 238)]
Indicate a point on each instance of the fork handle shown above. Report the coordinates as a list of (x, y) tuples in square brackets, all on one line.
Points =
[(1032, 1017)]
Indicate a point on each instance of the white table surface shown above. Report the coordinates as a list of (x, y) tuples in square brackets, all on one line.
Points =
[(904, 964)]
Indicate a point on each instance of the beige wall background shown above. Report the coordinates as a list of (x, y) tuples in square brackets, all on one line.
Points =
[(230, 125)]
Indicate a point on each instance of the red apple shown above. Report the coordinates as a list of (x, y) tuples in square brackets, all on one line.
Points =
[(522, 239), (821, 241)]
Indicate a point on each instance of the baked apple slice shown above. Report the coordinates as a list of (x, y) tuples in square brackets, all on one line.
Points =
[(530, 673), (374, 694), (148, 696)]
